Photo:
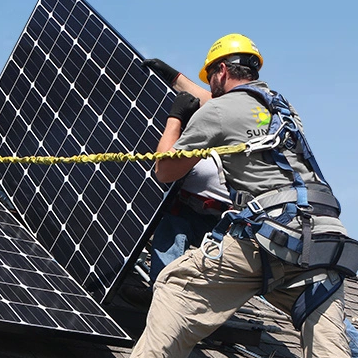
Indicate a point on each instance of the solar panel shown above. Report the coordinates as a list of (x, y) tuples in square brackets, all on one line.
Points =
[(71, 86), (37, 294)]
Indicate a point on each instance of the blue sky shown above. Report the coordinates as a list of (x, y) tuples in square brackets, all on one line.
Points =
[(310, 51)]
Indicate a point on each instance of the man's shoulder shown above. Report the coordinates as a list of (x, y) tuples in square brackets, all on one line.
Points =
[(253, 85), (234, 100)]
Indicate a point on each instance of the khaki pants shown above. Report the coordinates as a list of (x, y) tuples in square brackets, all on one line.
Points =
[(194, 295)]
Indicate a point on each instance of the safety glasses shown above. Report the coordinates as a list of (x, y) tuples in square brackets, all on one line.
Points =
[(211, 71)]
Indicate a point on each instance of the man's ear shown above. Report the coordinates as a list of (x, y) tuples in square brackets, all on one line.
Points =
[(222, 68), (223, 73)]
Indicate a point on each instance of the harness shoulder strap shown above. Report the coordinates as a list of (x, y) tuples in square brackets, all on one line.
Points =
[(281, 124)]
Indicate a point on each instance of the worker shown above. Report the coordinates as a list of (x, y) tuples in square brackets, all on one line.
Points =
[(199, 291)]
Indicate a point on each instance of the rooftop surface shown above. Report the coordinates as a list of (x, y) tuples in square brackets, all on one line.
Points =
[(268, 331)]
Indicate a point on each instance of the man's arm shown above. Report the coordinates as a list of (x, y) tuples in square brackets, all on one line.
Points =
[(183, 83), (186, 103), (169, 170), (177, 79)]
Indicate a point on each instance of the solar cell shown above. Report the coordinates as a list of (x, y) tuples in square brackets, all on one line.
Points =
[(38, 295), (71, 86)]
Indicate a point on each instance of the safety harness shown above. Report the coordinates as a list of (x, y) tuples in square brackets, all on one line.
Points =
[(332, 252)]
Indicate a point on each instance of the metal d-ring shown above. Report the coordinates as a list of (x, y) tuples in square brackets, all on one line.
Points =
[(209, 239)]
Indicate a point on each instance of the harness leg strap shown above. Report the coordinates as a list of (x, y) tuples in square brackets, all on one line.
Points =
[(307, 236), (313, 296), (266, 271)]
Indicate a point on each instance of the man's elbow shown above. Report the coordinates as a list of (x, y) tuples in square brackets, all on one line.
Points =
[(166, 173), (170, 170), (163, 177)]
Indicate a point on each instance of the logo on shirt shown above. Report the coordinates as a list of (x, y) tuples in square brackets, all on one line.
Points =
[(261, 115)]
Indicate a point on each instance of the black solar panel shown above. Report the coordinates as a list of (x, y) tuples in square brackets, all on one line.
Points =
[(74, 86), (38, 295)]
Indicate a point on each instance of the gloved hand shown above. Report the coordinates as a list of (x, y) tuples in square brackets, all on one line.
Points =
[(184, 106), (167, 72)]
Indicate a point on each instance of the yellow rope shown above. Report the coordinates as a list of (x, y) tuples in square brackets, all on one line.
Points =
[(120, 157)]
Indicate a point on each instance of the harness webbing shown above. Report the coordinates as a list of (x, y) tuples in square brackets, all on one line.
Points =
[(283, 126), (321, 252), (282, 123), (281, 114)]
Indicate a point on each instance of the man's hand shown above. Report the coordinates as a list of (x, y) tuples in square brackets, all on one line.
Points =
[(167, 72), (184, 106)]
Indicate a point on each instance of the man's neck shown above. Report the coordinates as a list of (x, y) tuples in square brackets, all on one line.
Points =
[(232, 83)]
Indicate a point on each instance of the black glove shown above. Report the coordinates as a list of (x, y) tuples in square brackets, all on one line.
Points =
[(184, 106), (167, 72)]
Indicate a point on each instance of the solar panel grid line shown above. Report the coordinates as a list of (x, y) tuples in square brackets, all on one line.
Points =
[(85, 253), (103, 48), (89, 94), (22, 300), (36, 292)]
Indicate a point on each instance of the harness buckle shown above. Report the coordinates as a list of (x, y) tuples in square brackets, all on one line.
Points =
[(263, 143), (255, 207), (208, 238), (306, 210), (271, 141), (242, 198)]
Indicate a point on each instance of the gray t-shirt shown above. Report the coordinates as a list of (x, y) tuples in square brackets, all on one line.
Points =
[(237, 117)]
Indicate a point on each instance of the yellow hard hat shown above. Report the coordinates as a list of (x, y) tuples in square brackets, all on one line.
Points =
[(229, 45)]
